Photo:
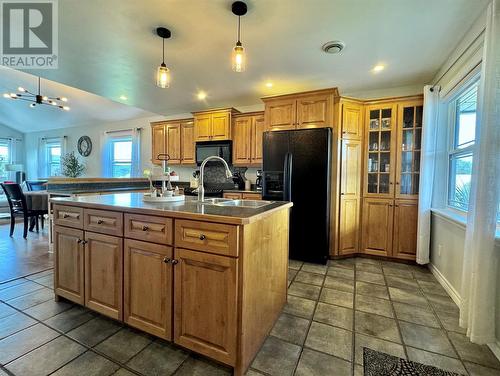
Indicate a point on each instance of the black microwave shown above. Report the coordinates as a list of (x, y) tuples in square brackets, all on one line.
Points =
[(207, 149)]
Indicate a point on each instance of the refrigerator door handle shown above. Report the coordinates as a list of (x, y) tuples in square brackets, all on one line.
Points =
[(287, 177)]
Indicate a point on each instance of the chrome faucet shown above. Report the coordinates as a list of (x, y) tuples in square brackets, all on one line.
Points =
[(201, 189)]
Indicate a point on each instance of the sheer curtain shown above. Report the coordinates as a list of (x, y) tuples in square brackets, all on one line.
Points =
[(479, 278), (427, 163), (107, 156)]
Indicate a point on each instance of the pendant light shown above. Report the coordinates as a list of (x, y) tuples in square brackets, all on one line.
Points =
[(163, 73), (239, 8)]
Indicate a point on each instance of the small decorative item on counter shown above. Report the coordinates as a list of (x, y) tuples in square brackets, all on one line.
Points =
[(176, 191), (248, 185)]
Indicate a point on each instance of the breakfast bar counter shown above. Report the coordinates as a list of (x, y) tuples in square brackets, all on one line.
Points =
[(210, 278)]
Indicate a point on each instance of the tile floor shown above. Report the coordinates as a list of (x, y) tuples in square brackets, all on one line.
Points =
[(332, 312)]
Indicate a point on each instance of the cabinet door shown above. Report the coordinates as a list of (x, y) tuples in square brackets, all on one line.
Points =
[(314, 111), (205, 317), (350, 178), (187, 143), (69, 258), (380, 150), (408, 149), (103, 274), (158, 142), (256, 143), (173, 132), (281, 114), (251, 196), (148, 287), (232, 196), (203, 127), (221, 126), (352, 121), (242, 127), (349, 225), (405, 229), (377, 226)]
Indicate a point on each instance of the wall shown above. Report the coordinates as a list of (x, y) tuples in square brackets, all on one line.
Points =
[(448, 227)]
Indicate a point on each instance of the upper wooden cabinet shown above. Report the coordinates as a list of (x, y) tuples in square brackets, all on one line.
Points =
[(300, 111), (247, 139), (351, 119), (175, 138), (213, 125)]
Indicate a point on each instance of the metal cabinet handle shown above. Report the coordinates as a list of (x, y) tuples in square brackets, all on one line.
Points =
[(79, 241), (174, 262), (202, 237), (166, 260), (390, 182), (65, 215), (100, 221), (397, 183), (145, 228)]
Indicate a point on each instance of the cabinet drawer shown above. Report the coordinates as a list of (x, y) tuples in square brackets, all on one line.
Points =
[(252, 196), (148, 228), (208, 237), (103, 222), (70, 216), (232, 196)]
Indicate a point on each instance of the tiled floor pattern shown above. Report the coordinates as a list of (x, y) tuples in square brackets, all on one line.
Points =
[(332, 312)]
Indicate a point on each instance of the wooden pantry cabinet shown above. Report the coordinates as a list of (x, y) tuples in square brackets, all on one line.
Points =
[(213, 125), (175, 138), (247, 136), (300, 111), (392, 146)]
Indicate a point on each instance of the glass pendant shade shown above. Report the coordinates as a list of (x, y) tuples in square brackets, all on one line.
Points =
[(238, 58), (163, 76)]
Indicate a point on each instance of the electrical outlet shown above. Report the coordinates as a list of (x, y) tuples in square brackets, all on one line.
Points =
[(440, 248)]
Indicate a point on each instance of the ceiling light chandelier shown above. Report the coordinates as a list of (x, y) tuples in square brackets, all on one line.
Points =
[(38, 99), (163, 73), (239, 8)]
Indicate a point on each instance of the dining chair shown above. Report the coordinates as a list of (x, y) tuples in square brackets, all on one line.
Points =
[(19, 207)]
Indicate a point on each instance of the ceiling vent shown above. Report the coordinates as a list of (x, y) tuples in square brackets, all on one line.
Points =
[(333, 47)]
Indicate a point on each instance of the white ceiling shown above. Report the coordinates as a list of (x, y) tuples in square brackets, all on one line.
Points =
[(110, 49)]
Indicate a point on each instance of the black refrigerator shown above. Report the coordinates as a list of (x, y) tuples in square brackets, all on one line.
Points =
[(297, 168)]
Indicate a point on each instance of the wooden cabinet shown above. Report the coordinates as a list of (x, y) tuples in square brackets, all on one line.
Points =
[(247, 136), (187, 143), (175, 138), (103, 274), (351, 119), (243, 196), (148, 283), (377, 226), (205, 318), (213, 125), (69, 264), (350, 196), (405, 229), (300, 111), (232, 195), (158, 141)]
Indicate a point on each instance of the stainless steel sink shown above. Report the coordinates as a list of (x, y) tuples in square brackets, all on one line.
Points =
[(245, 203)]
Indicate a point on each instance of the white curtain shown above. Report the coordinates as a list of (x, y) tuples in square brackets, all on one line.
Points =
[(479, 278), (136, 153), (106, 141), (427, 163), (42, 162)]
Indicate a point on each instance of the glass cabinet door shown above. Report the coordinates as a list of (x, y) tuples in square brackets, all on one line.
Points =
[(379, 156), (409, 144)]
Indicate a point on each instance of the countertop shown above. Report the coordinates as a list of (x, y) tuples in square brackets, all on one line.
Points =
[(188, 209)]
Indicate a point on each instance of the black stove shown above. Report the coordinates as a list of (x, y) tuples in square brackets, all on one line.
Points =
[(209, 192)]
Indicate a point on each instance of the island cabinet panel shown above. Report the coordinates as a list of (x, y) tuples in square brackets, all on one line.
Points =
[(149, 228), (70, 216), (377, 226), (208, 237), (205, 304), (405, 229), (103, 221), (69, 264), (103, 274), (148, 287)]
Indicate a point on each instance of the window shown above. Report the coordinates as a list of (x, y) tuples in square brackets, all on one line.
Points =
[(121, 158), (463, 114), (53, 158), (4, 159)]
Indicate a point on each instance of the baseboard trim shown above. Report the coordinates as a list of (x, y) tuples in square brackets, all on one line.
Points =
[(446, 285)]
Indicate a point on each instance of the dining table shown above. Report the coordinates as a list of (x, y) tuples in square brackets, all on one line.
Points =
[(37, 201)]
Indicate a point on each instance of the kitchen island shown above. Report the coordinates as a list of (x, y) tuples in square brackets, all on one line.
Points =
[(210, 278)]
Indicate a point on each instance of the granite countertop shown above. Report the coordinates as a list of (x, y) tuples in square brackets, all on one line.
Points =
[(188, 209)]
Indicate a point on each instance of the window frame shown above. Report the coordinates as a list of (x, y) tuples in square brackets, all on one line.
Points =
[(53, 144), (113, 162), (455, 152)]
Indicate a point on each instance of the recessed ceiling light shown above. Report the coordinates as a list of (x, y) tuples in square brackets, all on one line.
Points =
[(378, 68), (333, 47), (123, 97), (269, 84), (201, 95)]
